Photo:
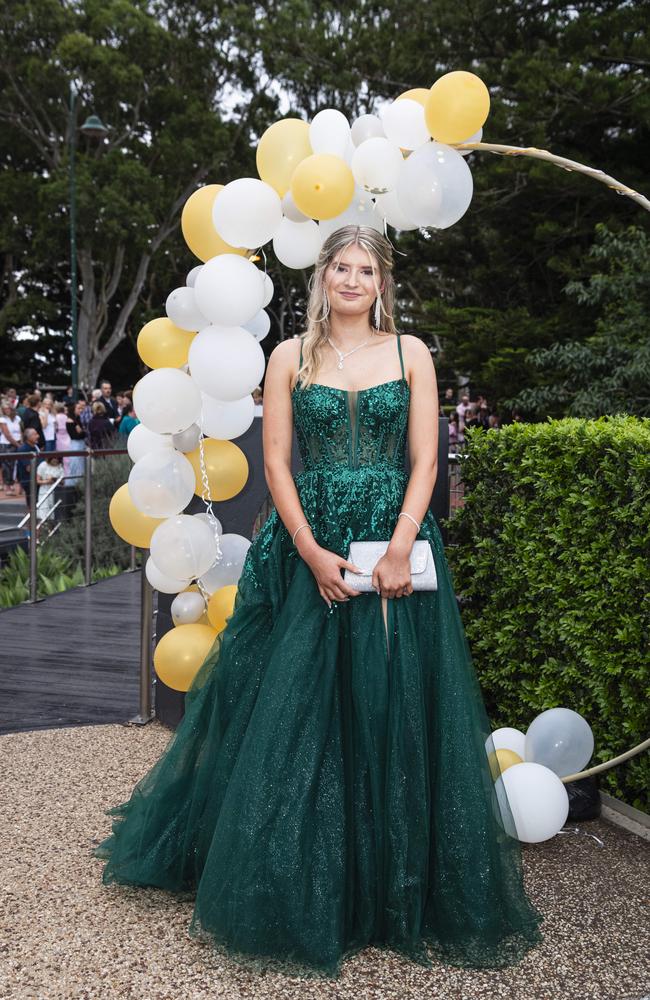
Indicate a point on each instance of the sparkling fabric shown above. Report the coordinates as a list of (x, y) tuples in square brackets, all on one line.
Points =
[(324, 792)]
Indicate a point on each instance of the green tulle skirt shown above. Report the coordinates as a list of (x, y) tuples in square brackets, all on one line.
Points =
[(323, 792)]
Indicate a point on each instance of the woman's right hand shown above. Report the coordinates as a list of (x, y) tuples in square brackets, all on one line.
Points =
[(326, 567)]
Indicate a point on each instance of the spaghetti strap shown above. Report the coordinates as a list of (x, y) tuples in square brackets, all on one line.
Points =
[(399, 348)]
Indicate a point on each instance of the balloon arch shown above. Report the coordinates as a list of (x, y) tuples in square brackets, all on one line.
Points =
[(404, 169)]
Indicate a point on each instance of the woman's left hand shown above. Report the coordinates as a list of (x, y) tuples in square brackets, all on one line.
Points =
[(392, 575)]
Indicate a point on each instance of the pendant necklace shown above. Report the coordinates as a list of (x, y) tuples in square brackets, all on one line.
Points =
[(339, 363)]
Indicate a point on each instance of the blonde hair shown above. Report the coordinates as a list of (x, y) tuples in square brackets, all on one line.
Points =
[(318, 308)]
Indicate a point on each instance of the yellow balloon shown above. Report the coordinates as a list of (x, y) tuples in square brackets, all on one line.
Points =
[(162, 344), (500, 760), (128, 522), (322, 186), (282, 147), (419, 94), (221, 604), (226, 466), (196, 223), (457, 106), (180, 653)]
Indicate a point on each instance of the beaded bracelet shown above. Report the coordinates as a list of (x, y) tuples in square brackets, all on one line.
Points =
[(305, 525), (403, 513)]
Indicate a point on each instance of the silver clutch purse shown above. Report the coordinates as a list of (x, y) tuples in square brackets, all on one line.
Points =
[(366, 555)]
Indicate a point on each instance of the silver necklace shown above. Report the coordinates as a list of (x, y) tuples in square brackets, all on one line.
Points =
[(339, 363)]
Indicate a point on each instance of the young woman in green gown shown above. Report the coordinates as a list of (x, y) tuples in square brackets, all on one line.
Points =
[(329, 786)]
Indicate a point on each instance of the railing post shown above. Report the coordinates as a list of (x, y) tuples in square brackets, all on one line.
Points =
[(132, 566), (33, 533), (88, 498), (146, 636)]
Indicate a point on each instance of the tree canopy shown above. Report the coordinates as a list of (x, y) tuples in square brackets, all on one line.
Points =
[(188, 88)]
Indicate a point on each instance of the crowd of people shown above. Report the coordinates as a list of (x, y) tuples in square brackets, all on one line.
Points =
[(40, 423)]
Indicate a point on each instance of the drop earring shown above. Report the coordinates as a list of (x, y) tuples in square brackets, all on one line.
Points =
[(378, 313)]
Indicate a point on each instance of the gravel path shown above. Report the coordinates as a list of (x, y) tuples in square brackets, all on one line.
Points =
[(65, 935)]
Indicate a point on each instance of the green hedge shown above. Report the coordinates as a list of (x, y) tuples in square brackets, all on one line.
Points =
[(551, 556)]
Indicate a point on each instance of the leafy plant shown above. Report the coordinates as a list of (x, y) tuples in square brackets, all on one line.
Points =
[(550, 556)]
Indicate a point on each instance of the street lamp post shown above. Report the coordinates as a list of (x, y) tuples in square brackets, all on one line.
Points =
[(93, 127)]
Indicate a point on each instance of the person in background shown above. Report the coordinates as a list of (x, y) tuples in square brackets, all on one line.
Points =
[(110, 404), (461, 410), (69, 396), (258, 399), (31, 419), (453, 432), (11, 436), (22, 406), (449, 396), (77, 434), (62, 438), (128, 419), (30, 444), (100, 428), (48, 423), (494, 421), (85, 416), (49, 471)]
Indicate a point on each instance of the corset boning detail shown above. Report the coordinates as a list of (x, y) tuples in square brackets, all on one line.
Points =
[(352, 429)]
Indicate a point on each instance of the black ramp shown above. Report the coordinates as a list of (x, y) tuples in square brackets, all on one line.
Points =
[(73, 658)]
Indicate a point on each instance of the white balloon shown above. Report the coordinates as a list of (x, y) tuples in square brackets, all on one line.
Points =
[(561, 740), (376, 165), (507, 738), (366, 127), (297, 244), (435, 187), (329, 132), (268, 290), (361, 211), (259, 325), (187, 608), (188, 439), (228, 290), (472, 138), (183, 547), (167, 401), (537, 799), (290, 209), (162, 483), (193, 275), (226, 362), (141, 441), (404, 123), (158, 580), (211, 519), (228, 570), (182, 309), (389, 206), (227, 420), (247, 212)]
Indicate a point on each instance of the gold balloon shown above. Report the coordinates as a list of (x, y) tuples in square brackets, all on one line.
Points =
[(457, 106), (419, 94), (128, 522), (282, 147), (322, 186), (198, 230), (220, 605), (162, 344), (226, 466), (180, 653), (501, 759)]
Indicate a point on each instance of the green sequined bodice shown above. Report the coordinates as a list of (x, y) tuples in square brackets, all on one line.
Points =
[(352, 428), (352, 445)]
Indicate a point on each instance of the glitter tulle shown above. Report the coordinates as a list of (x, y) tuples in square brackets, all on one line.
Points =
[(327, 790)]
